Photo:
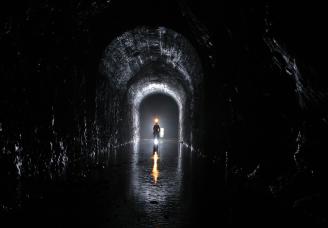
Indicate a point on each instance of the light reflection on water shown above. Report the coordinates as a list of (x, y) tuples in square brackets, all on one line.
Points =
[(147, 181), (155, 171), (156, 182)]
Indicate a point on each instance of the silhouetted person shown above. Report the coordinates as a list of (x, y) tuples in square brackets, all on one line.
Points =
[(156, 129)]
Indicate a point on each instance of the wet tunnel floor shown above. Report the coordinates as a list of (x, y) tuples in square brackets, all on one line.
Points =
[(159, 188), (155, 188), (184, 190), (127, 193)]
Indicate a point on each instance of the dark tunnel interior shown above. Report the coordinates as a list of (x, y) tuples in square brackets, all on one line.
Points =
[(165, 109), (239, 88)]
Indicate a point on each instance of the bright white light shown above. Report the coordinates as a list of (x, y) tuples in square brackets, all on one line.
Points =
[(156, 141)]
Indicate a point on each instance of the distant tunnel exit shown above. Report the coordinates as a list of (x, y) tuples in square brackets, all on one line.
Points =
[(166, 109)]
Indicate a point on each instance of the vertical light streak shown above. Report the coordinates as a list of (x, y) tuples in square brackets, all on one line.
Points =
[(155, 171)]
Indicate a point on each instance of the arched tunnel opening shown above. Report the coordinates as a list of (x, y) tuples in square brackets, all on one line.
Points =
[(145, 61), (164, 108)]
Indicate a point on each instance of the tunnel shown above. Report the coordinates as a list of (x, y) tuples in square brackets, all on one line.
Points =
[(147, 61), (240, 92)]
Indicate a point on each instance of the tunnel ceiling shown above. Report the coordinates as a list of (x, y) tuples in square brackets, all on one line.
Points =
[(154, 49)]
